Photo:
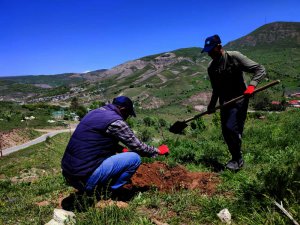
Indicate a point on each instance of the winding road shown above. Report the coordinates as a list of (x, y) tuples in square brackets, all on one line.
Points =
[(42, 138)]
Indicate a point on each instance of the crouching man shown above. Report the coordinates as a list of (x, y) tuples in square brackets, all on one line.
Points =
[(90, 160)]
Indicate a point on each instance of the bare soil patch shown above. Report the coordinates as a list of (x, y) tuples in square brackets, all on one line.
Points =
[(12, 138), (156, 175), (166, 178), (201, 98)]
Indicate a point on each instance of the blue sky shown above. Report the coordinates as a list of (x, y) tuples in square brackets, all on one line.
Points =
[(60, 36)]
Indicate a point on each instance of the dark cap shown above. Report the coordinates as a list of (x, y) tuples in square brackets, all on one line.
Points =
[(125, 102), (211, 42)]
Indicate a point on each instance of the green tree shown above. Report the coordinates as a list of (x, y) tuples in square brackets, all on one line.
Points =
[(261, 101), (96, 104), (81, 111), (74, 104)]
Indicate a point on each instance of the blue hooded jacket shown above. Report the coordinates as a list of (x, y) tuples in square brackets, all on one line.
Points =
[(90, 145)]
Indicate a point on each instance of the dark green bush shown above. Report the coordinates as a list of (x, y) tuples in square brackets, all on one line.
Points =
[(198, 125), (81, 111), (148, 121), (282, 182), (261, 101), (183, 151), (216, 120), (131, 122), (162, 122), (279, 183), (96, 104), (145, 135)]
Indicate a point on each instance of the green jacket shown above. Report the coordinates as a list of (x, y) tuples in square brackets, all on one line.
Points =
[(227, 75)]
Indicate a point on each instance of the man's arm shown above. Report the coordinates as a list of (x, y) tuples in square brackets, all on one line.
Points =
[(123, 133), (215, 96), (248, 65)]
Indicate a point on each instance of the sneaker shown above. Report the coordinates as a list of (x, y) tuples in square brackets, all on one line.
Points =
[(235, 165)]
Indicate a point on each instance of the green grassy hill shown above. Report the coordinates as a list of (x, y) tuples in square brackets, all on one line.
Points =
[(31, 184), (277, 34), (167, 79)]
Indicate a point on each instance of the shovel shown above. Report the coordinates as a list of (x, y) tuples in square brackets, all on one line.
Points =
[(178, 126)]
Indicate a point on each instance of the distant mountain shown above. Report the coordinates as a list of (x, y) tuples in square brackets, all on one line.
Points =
[(167, 79), (276, 46), (278, 34), (50, 80)]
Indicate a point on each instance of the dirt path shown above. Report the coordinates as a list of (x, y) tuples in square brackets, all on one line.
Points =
[(49, 133)]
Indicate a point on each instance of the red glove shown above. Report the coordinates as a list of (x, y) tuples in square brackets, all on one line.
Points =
[(249, 90), (163, 150), (125, 150)]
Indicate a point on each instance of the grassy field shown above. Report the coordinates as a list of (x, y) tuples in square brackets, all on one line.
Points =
[(14, 115), (272, 172)]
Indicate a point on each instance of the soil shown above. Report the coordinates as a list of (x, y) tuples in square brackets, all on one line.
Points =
[(12, 138), (157, 175), (166, 178), (201, 98), (20, 136)]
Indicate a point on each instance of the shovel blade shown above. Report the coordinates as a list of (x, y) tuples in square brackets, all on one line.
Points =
[(178, 127)]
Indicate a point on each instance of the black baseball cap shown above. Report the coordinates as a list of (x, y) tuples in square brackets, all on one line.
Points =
[(211, 42), (125, 102)]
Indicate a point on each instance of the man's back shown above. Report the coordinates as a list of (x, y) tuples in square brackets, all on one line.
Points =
[(90, 144)]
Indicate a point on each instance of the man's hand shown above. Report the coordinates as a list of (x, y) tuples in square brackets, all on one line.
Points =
[(163, 150), (125, 150), (249, 91)]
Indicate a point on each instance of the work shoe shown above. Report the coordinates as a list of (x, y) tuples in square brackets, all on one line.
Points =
[(235, 165)]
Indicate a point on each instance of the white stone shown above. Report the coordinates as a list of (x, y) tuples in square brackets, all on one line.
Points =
[(53, 222), (225, 216), (64, 217)]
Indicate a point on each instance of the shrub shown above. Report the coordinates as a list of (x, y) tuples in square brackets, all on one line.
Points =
[(261, 101), (189, 109), (255, 115), (216, 120), (131, 122), (48, 140), (282, 182), (81, 111), (148, 121), (74, 104), (183, 151), (145, 135), (198, 125), (162, 122), (96, 104), (279, 183)]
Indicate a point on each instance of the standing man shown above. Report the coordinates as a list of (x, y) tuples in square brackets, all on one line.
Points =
[(90, 160), (226, 73)]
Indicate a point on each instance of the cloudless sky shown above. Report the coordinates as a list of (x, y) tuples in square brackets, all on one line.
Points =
[(61, 36)]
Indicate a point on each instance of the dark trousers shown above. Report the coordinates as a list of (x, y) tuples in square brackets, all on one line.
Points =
[(232, 120), (76, 182)]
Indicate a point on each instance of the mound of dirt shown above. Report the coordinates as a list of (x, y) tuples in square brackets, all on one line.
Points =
[(166, 178), (154, 175)]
